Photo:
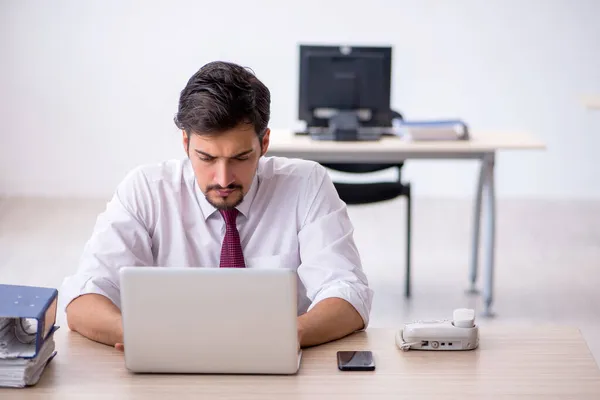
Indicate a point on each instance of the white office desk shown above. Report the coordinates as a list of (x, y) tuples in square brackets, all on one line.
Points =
[(482, 146)]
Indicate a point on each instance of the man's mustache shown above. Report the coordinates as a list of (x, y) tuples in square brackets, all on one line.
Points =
[(219, 187)]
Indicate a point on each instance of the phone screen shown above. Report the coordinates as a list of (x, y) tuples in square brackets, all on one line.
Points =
[(355, 361)]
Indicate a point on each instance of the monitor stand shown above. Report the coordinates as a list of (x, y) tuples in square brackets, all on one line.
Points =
[(345, 127)]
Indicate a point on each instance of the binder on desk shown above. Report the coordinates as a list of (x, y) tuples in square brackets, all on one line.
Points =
[(449, 129), (27, 325)]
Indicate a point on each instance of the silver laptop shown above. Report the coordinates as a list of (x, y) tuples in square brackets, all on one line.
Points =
[(210, 320)]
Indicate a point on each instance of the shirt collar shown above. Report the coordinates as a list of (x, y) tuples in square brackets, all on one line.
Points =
[(244, 207)]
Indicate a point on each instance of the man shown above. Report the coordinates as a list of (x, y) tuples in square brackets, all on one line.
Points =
[(225, 205)]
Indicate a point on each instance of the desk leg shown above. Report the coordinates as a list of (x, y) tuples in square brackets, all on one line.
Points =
[(490, 233), (476, 227), (408, 242)]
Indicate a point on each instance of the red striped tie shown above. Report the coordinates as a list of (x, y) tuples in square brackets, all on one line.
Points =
[(231, 250)]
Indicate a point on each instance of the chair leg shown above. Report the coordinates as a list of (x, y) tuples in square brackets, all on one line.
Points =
[(408, 242)]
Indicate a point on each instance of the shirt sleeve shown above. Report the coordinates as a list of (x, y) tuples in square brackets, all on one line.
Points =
[(330, 261), (120, 238)]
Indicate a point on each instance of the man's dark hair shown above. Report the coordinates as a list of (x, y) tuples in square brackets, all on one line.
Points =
[(219, 97)]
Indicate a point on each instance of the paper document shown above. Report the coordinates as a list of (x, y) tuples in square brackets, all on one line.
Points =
[(17, 367)]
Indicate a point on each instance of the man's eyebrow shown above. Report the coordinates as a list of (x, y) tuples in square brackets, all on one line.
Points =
[(204, 154), (243, 153)]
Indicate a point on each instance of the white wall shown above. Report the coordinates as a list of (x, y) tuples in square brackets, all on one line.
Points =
[(88, 89)]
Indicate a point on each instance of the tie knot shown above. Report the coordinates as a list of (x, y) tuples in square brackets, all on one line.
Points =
[(229, 215)]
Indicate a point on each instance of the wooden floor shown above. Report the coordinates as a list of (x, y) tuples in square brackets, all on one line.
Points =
[(547, 271)]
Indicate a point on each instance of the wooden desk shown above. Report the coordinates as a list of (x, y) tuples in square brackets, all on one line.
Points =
[(542, 363), (481, 146)]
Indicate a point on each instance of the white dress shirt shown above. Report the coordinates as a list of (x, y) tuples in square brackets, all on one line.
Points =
[(291, 217)]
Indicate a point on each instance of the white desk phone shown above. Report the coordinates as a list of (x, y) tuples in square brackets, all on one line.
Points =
[(460, 333)]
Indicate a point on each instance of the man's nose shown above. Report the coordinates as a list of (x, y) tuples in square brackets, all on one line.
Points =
[(224, 176)]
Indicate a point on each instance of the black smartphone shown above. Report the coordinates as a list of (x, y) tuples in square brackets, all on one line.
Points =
[(355, 361)]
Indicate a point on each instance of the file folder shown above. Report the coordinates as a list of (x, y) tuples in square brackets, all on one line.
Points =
[(32, 311)]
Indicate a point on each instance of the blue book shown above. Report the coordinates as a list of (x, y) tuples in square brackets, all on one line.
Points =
[(29, 313)]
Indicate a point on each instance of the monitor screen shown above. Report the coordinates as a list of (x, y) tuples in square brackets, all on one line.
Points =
[(334, 78)]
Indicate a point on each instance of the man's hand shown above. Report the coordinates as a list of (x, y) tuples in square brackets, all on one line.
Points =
[(120, 346), (330, 319), (97, 318)]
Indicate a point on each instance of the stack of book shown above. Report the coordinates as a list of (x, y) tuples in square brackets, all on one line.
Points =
[(27, 326)]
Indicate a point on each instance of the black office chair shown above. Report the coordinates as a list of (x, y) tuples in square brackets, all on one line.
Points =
[(372, 192)]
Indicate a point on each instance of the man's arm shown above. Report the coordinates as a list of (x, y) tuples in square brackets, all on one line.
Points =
[(91, 297), (97, 318), (331, 269), (331, 319)]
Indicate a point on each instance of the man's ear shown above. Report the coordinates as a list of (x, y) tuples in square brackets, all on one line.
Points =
[(186, 142), (265, 142)]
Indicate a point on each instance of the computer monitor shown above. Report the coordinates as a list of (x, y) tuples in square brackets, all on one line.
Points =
[(345, 91)]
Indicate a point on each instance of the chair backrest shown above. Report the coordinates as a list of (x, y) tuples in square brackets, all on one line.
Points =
[(359, 168)]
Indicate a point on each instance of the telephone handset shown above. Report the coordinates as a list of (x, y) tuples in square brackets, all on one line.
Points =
[(460, 333)]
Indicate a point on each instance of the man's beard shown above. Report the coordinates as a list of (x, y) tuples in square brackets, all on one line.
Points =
[(225, 203)]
